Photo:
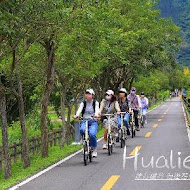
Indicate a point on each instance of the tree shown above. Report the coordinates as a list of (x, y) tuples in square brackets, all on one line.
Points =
[(5, 141), (17, 31)]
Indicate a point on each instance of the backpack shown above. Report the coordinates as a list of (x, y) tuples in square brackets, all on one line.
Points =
[(84, 107)]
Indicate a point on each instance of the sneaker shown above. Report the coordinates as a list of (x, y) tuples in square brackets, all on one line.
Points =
[(104, 146), (94, 154), (146, 122)]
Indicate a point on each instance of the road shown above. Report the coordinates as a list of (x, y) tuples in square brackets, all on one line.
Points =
[(164, 135)]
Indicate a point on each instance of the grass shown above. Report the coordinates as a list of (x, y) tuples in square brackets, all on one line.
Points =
[(187, 113), (38, 163), (156, 104), (32, 124)]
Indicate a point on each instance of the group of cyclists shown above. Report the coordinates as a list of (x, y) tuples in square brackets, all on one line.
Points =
[(111, 104)]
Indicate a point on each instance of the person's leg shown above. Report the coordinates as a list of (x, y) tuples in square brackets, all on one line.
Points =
[(118, 127), (119, 121), (93, 127), (126, 122), (136, 118), (144, 115), (105, 135), (82, 128)]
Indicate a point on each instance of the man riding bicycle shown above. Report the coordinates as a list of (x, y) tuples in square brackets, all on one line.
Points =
[(135, 105), (89, 108)]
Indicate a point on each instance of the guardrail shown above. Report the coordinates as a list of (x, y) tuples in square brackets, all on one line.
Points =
[(186, 103), (55, 138)]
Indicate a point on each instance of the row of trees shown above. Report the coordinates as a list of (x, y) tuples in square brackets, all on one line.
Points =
[(62, 47)]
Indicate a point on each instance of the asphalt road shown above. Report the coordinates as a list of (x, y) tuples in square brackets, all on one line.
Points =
[(164, 135)]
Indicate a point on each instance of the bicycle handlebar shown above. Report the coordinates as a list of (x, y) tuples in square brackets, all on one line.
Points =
[(123, 112), (109, 114), (87, 119)]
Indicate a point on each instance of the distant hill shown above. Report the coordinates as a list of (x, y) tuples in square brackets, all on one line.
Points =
[(179, 11)]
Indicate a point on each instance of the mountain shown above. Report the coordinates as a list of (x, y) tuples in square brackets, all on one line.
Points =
[(179, 11)]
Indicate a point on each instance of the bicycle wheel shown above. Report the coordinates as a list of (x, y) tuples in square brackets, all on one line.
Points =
[(109, 145), (111, 149), (85, 151), (122, 139), (132, 130), (142, 122), (90, 155)]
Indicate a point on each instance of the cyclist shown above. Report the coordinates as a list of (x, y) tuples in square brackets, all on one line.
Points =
[(144, 104), (135, 105), (89, 107), (109, 105), (125, 107)]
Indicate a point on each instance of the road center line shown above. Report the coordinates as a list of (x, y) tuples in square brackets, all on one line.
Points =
[(159, 120), (155, 126), (148, 134), (110, 183), (138, 149)]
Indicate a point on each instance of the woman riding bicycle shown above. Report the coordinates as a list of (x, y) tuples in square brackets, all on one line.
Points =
[(124, 107), (89, 108), (109, 105)]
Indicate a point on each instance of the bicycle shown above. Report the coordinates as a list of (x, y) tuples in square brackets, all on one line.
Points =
[(111, 140), (132, 124), (141, 119), (123, 131), (87, 150)]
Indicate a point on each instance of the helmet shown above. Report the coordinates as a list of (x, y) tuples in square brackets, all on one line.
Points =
[(110, 92), (123, 90), (90, 91)]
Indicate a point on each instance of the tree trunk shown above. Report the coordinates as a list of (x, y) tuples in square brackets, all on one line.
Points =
[(131, 83), (63, 117), (68, 130), (5, 141), (25, 148), (45, 99), (19, 96)]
